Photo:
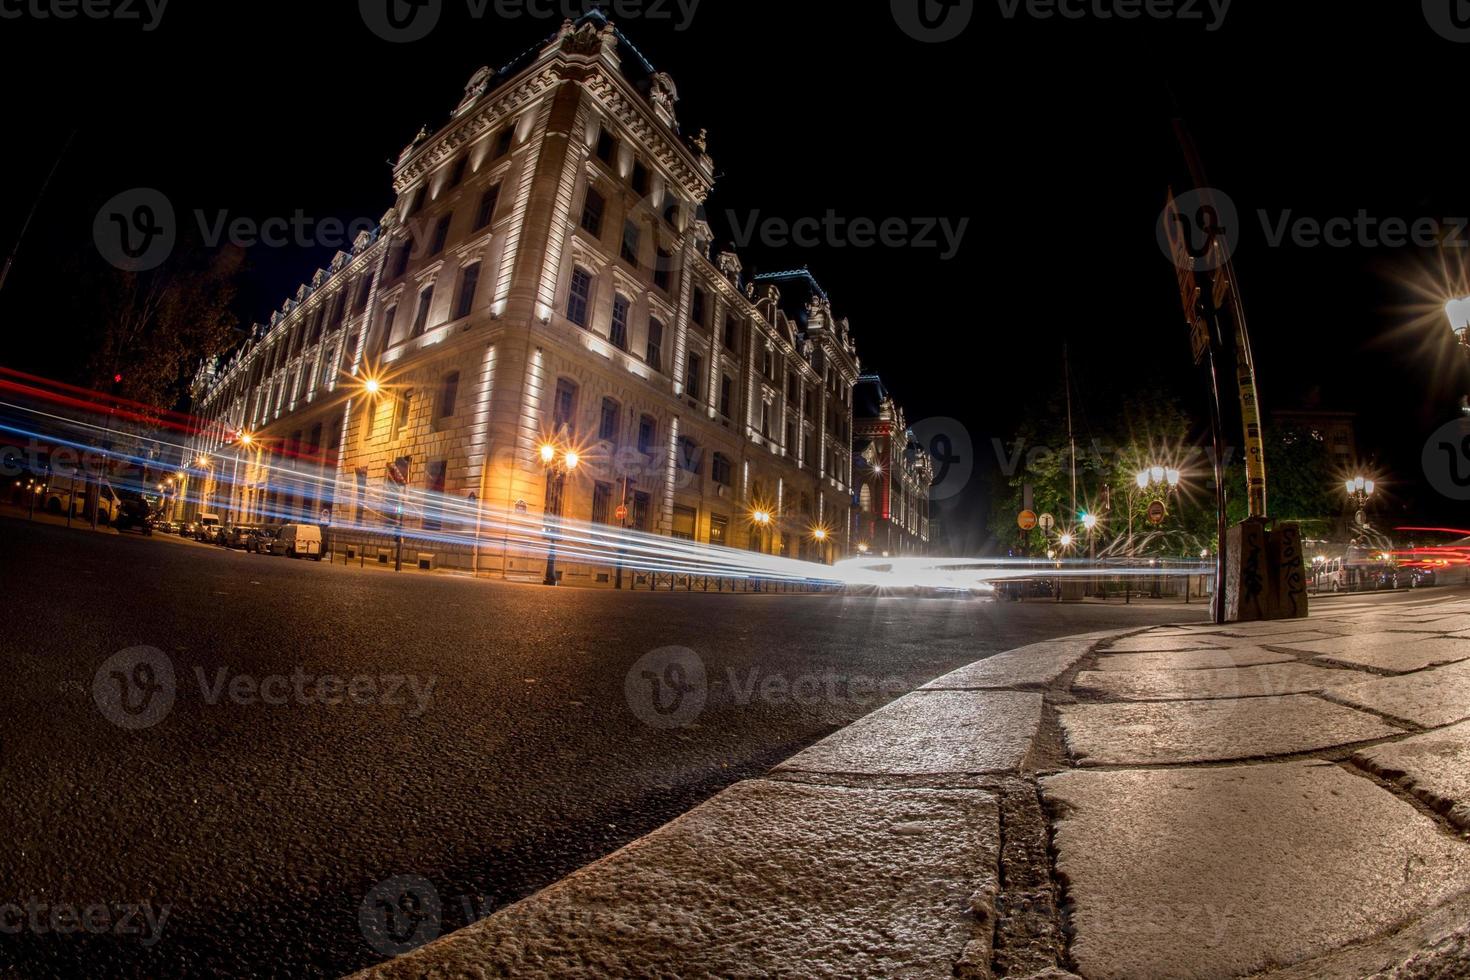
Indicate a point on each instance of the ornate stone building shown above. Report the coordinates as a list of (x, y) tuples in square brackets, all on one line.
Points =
[(892, 473), (544, 279)]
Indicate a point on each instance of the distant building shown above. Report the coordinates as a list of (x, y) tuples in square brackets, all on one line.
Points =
[(1337, 430), (545, 278), (892, 474)]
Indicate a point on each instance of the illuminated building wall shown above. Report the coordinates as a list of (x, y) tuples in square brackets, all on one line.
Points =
[(555, 257)]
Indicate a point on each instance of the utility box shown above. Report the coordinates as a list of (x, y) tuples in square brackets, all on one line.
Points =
[(1265, 572)]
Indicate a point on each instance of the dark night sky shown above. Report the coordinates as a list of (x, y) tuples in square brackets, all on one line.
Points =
[(1053, 137)]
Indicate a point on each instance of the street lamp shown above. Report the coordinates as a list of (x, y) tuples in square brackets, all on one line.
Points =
[(1359, 490), (557, 468)]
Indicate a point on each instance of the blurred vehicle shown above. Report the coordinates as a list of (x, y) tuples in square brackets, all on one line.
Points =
[(260, 540), (188, 529), (1415, 577), (165, 527), (208, 528), (299, 541), (134, 514), (237, 536), (58, 499)]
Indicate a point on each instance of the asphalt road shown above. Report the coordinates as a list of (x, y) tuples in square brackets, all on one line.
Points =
[(483, 735)]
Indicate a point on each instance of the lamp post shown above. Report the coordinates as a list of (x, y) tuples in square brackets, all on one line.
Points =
[(1359, 491), (819, 535), (1458, 312), (558, 463), (1154, 477)]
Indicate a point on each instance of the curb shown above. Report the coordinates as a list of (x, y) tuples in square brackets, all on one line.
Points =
[(936, 781)]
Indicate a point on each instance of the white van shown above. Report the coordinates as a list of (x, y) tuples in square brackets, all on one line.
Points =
[(299, 541), (209, 528)]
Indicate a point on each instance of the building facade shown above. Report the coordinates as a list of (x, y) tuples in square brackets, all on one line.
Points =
[(892, 474), (545, 279)]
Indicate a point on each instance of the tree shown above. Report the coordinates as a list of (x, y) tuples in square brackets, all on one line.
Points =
[(145, 333)]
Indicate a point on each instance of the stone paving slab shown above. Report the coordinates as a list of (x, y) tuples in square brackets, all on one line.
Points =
[(931, 732), (1439, 624), (1223, 871), (1397, 652), (1035, 666), (767, 878), (1432, 698), (1434, 767), (1268, 627), (1191, 659), (1184, 685), (1166, 733), (1148, 643)]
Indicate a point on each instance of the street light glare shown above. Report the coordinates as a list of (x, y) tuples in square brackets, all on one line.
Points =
[(1141, 479), (1458, 310), (371, 386), (548, 453), (1089, 521), (1066, 540), (573, 459)]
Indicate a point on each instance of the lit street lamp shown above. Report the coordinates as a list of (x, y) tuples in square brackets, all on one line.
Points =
[(558, 464), (1359, 490)]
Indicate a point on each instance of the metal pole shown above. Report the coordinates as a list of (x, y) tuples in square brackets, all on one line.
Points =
[(555, 476)]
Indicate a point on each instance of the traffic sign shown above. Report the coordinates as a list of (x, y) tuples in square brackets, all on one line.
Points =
[(622, 512), (1047, 522), (1026, 520), (1157, 512)]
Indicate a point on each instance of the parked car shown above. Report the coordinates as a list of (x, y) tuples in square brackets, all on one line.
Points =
[(134, 514), (1416, 577), (60, 498), (188, 529), (166, 527), (260, 540), (237, 536), (299, 541), (208, 528)]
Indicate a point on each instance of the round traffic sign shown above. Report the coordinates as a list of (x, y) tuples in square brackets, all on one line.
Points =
[(1047, 522), (1157, 512), (1026, 520), (622, 512)]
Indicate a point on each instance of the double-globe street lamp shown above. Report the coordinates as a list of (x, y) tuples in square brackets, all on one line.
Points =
[(558, 462), (1360, 490)]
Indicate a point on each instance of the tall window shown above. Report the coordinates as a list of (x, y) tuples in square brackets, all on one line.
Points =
[(486, 211), (602, 503), (629, 249), (647, 434), (456, 172), (640, 177), (620, 323), (721, 470), (698, 306), (663, 262), (564, 409), (441, 234), (579, 296), (732, 333), (719, 529), (607, 427), (315, 333), (642, 511), (693, 371), (592, 210), (364, 293), (388, 317), (448, 394), (421, 316), (683, 528), (505, 141), (655, 356), (766, 419), (414, 199), (688, 454), (726, 385), (339, 308), (401, 257), (405, 406), (607, 147), (469, 280)]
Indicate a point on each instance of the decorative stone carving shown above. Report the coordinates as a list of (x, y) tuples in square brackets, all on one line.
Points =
[(663, 93), (731, 268), (478, 84), (362, 241)]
